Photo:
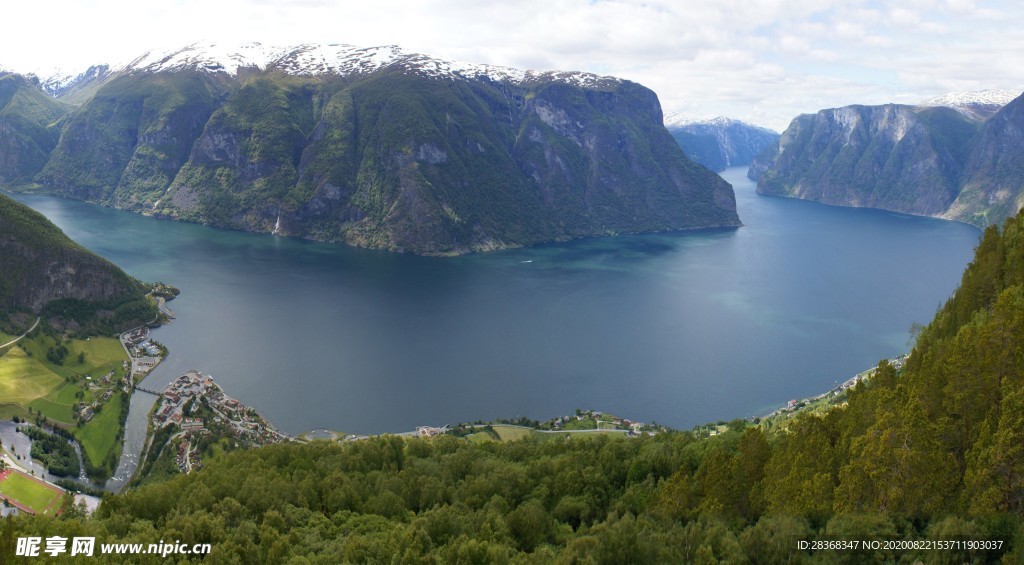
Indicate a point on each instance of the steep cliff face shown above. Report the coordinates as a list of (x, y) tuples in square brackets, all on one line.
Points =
[(963, 161), (993, 177), (128, 141), (29, 128), (894, 157), (720, 143), (383, 149), (44, 272)]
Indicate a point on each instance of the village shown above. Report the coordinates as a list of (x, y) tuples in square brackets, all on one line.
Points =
[(199, 407), (599, 420), (144, 354)]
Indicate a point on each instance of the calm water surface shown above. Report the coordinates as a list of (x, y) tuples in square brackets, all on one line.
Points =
[(680, 328)]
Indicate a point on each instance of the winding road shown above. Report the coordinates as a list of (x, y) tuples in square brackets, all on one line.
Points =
[(19, 338)]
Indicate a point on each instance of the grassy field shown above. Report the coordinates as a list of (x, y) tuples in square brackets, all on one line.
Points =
[(31, 493), (29, 380), (512, 433), (99, 436), (481, 437), (24, 379), (102, 354)]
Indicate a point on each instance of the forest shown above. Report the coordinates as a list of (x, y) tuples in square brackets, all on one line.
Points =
[(932, 452)]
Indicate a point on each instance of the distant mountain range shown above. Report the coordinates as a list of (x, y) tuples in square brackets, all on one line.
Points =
[(960, 156), (719, 143), (373, 147)]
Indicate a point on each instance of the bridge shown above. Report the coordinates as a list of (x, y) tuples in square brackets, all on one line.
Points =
[(150, 391)]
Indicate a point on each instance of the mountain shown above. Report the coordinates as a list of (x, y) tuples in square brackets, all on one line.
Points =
[(75, 89), (29, 128), (978, 104), (46, 273), (381, 148), (930, 160), (719, 143), (993, 177)]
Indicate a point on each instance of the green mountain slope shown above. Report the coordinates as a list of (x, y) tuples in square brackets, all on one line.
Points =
[(45, 273), (395, 158), (128, 141), (29, 128)]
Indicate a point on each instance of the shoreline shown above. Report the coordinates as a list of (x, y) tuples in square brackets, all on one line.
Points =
[(795, 405)]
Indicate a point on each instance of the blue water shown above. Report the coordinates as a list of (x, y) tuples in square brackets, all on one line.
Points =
[(681, 328)]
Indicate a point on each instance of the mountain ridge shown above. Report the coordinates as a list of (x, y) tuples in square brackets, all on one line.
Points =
[(312, 59), (380, 148), (720, 142), (934, 160)]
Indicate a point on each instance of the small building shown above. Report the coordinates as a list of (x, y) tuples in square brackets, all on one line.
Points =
[(430, 431)]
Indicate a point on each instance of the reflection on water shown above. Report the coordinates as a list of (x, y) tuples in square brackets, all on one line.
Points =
[(682, 328)]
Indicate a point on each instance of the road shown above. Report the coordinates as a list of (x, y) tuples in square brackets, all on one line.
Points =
[(19, 338)]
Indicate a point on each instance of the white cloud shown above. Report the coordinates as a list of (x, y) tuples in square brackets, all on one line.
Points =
[(763, 61)]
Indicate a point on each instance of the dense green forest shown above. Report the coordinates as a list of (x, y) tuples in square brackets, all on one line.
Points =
[(46, 273), (934, 451), (53, 451)]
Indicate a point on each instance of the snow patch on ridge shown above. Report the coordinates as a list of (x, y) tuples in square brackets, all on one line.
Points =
[(343, 60), (991, 97), (682, 119), (212, 57)]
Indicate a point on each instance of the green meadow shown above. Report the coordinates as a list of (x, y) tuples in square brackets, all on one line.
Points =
[(32, 384)]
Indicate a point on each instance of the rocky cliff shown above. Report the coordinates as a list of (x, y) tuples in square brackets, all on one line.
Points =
[(46, 273), (924, 160), (993, 176), (720, 142), (381, 148)]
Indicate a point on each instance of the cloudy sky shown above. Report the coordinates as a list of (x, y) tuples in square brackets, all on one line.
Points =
[(760, 61)]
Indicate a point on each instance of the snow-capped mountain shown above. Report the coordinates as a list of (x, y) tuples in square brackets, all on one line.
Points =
[(719, 142), (303, 60), (377, 147), (680, 119), (62, 83), (974, 98), (978, 104), (338, 59)]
